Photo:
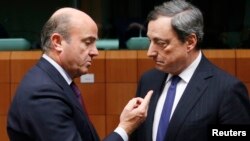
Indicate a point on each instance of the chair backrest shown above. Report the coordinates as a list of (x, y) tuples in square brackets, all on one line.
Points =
[(138, 43), (9, 44), (107, 44)]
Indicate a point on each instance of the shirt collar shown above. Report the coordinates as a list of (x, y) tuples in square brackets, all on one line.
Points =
[(58, 68), (189, 71)]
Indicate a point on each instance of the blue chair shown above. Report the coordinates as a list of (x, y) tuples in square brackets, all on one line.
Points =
[(9, 44), (138, 43), (107, 44)]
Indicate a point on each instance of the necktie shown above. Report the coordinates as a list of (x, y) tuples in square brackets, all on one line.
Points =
[(167, 108), (78, 95), (79, 98), (77, 92)]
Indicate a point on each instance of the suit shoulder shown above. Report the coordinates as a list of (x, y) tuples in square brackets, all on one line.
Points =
[(152, 75), (216, 71), (226, 76), (151, 72)]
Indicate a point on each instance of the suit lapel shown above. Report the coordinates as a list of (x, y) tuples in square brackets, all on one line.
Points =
[(61, 82), (191, 95), (157, 86)]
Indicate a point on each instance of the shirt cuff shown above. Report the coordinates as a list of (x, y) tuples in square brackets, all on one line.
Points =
[(122, 133)]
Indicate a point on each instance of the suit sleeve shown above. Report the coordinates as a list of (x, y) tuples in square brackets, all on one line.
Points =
[(113, 137)]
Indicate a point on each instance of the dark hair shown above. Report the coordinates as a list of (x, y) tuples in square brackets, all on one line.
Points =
[(57, 24), (186, 18)]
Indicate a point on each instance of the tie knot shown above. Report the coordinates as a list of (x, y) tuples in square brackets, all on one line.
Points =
[(175, 79)]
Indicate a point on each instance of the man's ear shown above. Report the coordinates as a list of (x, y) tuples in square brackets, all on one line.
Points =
[(56, 40), (191, 42)]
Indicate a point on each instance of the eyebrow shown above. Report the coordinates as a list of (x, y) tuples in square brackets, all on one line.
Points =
[(160, 39), (92, 38)]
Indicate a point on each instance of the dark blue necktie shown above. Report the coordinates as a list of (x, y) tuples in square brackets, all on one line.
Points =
[(167, 108)]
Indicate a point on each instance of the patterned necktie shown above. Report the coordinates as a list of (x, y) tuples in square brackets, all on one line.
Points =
[(167, 108)]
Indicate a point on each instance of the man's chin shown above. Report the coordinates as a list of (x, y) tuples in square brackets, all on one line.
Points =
[(85, 71), (159, 67), (81, 72)]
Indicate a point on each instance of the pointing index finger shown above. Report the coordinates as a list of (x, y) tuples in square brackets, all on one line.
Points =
[(147, 99)]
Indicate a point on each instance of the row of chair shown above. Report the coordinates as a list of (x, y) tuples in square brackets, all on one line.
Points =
[(136, 43)]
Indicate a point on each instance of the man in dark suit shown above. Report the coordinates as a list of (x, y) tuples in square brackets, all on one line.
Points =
[(45, 107), (205, 96)]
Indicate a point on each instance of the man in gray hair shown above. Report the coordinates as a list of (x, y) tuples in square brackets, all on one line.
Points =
[(190, 93)]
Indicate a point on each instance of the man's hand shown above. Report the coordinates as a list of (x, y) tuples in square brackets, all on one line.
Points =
[(134, 113)]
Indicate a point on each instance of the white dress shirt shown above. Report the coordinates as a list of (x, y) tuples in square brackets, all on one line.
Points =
[(181, 86)]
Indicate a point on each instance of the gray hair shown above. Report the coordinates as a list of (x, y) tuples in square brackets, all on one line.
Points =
[(186, 18), (56, 24)]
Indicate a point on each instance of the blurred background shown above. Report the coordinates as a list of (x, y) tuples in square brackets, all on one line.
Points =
[(227, 22)]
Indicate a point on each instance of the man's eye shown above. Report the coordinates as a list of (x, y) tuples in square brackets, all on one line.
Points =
[(161, 43), (88, 42)]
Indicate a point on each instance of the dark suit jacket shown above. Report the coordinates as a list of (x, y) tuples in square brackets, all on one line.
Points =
[(46, 109), (211, 97)]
